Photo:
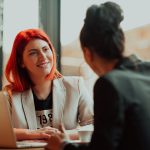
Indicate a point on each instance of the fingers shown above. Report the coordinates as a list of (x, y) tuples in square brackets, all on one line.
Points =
[(64, 134), (36, 135), (52, 132), (54, 142), (42, 133), (48, 130), (62, 128)]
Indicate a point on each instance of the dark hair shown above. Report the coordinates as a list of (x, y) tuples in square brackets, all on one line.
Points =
[(101, 31)]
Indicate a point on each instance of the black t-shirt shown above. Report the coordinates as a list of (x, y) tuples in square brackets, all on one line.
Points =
[(44, 113)]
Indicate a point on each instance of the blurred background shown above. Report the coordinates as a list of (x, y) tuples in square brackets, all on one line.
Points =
[(62, 21)]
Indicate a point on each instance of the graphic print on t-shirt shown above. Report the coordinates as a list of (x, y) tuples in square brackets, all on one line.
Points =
[(44, 111), (44, 118)]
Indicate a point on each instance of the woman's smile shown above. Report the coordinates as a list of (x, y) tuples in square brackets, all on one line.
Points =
[(43, 64), (38, 58)]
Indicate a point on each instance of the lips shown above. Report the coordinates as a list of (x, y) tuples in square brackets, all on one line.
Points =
[(43, 64)]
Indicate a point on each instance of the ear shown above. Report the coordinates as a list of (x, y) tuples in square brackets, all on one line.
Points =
[(88, 55)]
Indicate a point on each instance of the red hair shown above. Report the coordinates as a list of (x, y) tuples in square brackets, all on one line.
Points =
[(15, 74)]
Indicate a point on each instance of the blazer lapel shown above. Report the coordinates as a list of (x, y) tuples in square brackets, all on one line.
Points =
[(29, 109), (59, 95)]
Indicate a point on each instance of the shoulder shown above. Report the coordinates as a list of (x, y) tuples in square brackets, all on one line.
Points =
[(70, 83), (121, 76), (118, 81), (71, 80), (113, 81), (14, 95), (112, 76)]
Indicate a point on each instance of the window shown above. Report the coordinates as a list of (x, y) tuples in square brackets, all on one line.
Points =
[(1, 37), (73, 12)]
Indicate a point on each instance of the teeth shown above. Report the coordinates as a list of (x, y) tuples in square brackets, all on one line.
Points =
[(42, 65)]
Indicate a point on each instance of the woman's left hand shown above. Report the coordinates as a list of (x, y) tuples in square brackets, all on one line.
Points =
[(47, 130), (56, 140)]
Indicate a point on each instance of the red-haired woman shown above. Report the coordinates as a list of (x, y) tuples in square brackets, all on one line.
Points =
[(40, 97)]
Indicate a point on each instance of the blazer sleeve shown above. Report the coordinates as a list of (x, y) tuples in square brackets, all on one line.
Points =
[(108, 119), (85, 110), (108, 116)]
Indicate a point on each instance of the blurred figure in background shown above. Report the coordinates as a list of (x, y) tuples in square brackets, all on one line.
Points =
[(121, 94), (40, 97)]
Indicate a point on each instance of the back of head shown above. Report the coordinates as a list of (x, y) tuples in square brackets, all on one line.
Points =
[(101, 32)]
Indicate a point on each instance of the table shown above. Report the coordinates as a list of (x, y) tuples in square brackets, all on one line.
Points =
[(22, 149)]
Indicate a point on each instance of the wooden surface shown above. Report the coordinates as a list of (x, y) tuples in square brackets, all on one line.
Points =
[(22, 149)]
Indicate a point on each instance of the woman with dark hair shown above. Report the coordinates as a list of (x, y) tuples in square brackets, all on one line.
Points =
[(40, 97), (121, 94)]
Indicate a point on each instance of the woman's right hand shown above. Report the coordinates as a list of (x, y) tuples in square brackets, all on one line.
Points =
[(47, 130), (42, 133)]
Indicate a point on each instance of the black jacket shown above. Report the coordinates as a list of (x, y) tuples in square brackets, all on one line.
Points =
[(121, 108)]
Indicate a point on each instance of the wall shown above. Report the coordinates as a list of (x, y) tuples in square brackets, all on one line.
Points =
[(138, 42), (136, 13), (137, 34), (18, 15)]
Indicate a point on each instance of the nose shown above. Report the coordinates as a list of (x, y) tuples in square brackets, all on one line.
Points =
[(42, 55)]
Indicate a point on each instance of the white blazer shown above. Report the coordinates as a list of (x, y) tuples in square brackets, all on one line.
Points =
[(72, 105)]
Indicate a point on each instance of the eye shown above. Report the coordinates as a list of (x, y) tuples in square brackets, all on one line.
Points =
[(46, 49), (31, 53)]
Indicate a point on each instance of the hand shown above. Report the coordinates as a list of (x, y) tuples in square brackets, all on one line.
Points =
[(63, 131), (47, 130), (43, 133), (69, 134), (55, 142), (56, 139)]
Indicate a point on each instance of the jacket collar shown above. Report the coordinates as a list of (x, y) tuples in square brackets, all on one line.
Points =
[(29, 108), (132, 62), (59, 94)]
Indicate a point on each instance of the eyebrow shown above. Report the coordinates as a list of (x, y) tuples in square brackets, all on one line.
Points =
[(46, 46), (34, 49)]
